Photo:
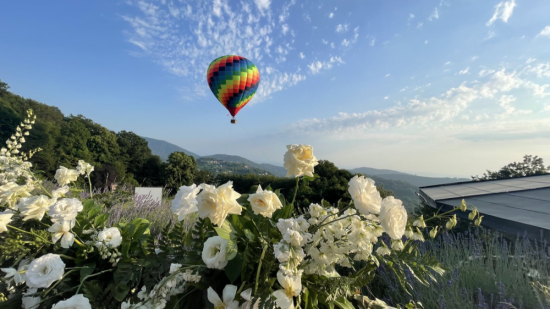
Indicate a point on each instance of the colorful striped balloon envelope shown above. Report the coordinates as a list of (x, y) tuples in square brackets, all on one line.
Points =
[(233, 80)]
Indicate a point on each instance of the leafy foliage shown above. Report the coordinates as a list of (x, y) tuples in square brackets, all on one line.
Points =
[(531, 165)]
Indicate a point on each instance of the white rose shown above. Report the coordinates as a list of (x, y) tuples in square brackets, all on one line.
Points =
[(364, 194), (45, 270), (5, 219), (65, 209), (393, 217), (34, 207), (60, 192), (110, 236), (64, 176), (76, 302), (185, 201), (13, 194), (264, 203), (214, 251), (217, 203), (299, 160)]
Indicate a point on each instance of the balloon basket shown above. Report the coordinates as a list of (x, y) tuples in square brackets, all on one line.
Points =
[(233, 120)]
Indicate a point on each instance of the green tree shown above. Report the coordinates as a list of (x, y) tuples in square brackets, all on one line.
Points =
[(531, 165), (180, 170), (3, 87), (134, 152)]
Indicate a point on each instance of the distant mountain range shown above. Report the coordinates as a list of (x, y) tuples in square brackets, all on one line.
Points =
[(163, 149)]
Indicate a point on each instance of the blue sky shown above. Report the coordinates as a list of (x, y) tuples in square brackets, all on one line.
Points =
[(432, 87)]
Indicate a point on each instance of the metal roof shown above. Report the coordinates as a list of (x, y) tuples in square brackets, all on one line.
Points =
[(515, 205)]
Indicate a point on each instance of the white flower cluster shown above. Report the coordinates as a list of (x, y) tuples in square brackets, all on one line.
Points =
[(289, 251), (173, 284)]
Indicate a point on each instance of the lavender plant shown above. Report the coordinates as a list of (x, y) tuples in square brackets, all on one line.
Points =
[(487, 270)]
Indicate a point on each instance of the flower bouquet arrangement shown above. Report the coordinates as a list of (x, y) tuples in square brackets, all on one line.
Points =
[(228, 250)]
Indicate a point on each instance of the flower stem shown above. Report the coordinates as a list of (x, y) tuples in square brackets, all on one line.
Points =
[(295, 191), (260, 267), (22, 231), (90, 182), (67, 257), (48, 193), (89, 276), (441, 215), (58, 281)]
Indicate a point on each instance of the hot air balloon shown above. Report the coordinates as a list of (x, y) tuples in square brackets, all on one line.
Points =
[(233, 80)]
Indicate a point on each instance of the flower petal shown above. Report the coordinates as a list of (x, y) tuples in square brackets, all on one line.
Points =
[(229, 293), (213, 297)]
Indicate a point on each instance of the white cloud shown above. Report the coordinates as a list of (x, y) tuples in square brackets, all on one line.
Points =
[(332, 45), (530, 60), (545, 32), (302, 55), (331, 15), (342, 28), (386, 97), (325, 41), (509, 110), (387, 75), (485, 72), (541, 69), (491, 34), (403, 89), (465, 71), (474, 58), (426, 42), (285, 29), (263, 5), (316, 66), (372, 42), (420, 25), (411, 16), (345, 42), (447, 63), (435, 15), (503, 11), (434, 112), (184, 38)]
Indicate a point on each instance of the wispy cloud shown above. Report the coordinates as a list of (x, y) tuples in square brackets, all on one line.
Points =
[(503, 11), (465, 71), (435, 15), (442, 109), (474, 58), (342, 28), (420, 25), (411, 16), (545, 32), (331, 15), (184, 37), (447, 63), (316, 66), (387, 75)]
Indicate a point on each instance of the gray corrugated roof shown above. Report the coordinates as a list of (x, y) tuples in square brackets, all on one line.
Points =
[(515, 205), (465, 189)]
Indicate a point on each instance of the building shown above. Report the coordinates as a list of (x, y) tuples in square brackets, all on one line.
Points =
[(514, 206)]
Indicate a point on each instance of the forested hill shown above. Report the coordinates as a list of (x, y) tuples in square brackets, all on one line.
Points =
[(218, 166), (163, 148), (117, 156)]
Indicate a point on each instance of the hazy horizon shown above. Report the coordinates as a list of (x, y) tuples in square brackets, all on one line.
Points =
[(444, 87)]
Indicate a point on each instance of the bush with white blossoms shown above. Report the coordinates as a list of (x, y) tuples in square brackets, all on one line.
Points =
[(228, 250)]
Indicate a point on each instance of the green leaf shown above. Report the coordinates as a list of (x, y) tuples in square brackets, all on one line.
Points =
[(120, 291), (343, 303), (233, 268), (87, 270), (94, 212), (308, 178), (249, 234), (100, 220), (88, 204), (231, 250), (225, 230)]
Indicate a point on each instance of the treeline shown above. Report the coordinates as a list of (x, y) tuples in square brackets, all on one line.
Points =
[(125, 158), (118, 157), (217, 166)]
